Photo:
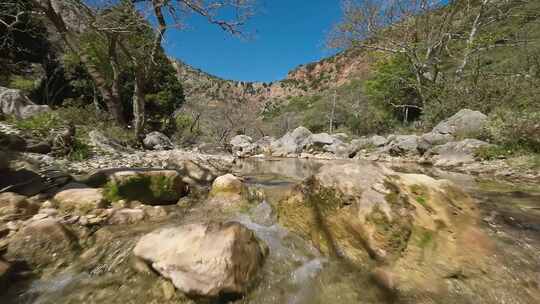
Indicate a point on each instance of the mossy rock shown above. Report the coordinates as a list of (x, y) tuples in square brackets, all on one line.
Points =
[(370, 215), (149, 187)]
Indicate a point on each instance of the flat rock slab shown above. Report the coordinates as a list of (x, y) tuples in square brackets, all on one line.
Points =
[(82, 200)]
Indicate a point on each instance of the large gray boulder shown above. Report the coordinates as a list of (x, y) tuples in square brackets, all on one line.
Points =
[(204, 259), (292, 143), (428, 140), (404, 145), (15, 103), (465, 124), (157, 141)]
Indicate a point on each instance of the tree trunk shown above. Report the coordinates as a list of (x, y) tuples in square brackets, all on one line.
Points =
[(472, 36), (138, 105), (111, 99)]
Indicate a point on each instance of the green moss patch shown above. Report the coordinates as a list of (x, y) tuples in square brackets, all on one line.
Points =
[(148, 189)]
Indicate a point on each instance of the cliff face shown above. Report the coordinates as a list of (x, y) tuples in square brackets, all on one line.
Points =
[(304, 80)]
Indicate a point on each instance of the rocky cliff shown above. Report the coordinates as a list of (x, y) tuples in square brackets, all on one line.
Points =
[(306, 79)]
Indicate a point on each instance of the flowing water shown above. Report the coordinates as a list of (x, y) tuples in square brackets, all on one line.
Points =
[(294, 272)]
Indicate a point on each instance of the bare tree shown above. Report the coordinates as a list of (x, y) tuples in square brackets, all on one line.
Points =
[(73, 18), (423, 31)]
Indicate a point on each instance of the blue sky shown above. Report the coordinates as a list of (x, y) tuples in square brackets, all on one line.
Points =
[(287, 33)]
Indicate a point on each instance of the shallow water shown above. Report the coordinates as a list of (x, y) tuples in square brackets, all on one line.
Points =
[(295, 272)]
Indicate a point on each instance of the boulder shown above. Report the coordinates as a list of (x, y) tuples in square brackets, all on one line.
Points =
[(418, 227), (227, 184), (428, 140), (152, 187), (157, 141), (322, 139), (378, 141), (204, 259), (339, 149), (42, 242), (456, 152), (227, 190), (263, 144), (291, 143), (243, 146), (241, 140), (465, 124), (15, 206), (80, 200), (403, 145), (15, 103)]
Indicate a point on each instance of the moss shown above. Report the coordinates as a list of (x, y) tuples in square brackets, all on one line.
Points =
[(393, 236), (149, 189)]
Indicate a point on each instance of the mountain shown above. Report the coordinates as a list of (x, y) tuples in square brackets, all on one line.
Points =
[(307, 79)]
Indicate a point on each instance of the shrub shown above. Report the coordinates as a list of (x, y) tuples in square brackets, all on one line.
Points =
[(80, 152), (23, 84), (515, 130), (39, 125)]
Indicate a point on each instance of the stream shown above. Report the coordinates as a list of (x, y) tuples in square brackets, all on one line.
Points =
[(295, 272)]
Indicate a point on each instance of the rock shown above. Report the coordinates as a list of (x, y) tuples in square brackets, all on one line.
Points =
[(157, 141), (364, 212), (455, 153), (199, 169), (15, 103), (227, 184), (291, 143), (465, 124), (14, 206), (378, 141), (80, 200), (241, 140), (322, 139), (126, 216), (340, 149), (227, 190), (403, 145), (242, 146), (361, 143), (5, 272), (155, 212), (152, 187), (40, 148), (42, 242), (24, 182), (264, 144), (204, 259), (431, 139), (102, 142), (12, 142), (341, 136)]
